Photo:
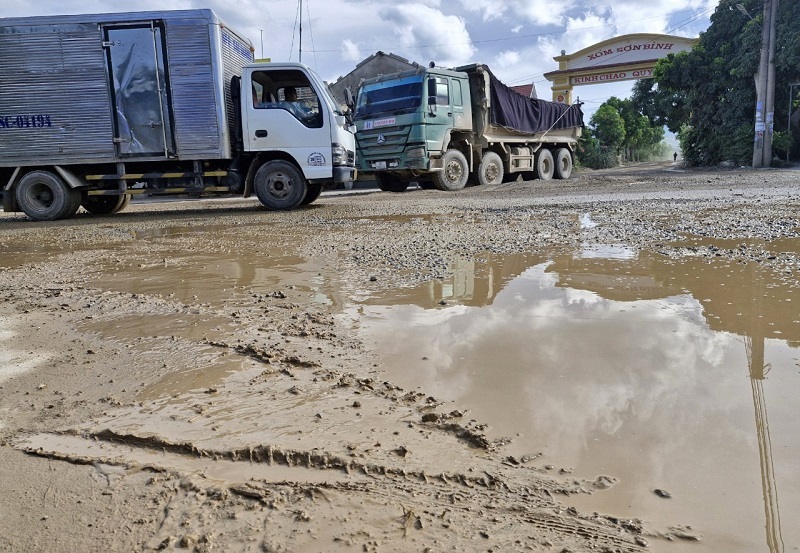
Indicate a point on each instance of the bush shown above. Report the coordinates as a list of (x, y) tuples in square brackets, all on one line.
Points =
[(594, 156)]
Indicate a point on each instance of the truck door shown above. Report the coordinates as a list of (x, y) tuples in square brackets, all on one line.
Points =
[(136, 63), (288, 114), (462, 112)]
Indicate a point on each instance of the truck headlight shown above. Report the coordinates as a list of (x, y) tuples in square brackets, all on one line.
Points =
[(416, 152), (338, 154)]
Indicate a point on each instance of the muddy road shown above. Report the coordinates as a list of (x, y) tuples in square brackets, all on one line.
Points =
[(604, 364)]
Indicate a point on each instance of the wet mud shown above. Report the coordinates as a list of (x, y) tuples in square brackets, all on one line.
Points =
[(598, 365)]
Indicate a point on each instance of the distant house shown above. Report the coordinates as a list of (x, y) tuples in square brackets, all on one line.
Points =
[(379, 63), (527, 90)]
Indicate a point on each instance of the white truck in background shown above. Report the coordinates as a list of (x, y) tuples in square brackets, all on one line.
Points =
[(97, 108)]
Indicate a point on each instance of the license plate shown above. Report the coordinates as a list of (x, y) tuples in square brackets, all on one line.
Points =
[(379, 165)]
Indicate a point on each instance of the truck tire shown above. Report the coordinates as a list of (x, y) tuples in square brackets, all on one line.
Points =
[(105, 205), (279, 185), (313, 192), (490, 170), (544, 164), (390, 183), (563, 163), (455, 173), (426, 184), (44, 196)]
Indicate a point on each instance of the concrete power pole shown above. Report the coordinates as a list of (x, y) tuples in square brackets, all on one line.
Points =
[(765, 88), (770, 101)]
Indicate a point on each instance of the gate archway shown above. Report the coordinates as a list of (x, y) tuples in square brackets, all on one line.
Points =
[(623, 58)]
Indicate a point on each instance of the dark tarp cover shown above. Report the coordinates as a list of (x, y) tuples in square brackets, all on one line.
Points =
[(512, 110)]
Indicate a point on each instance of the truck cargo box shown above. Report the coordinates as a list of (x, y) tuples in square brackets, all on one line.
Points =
[(117, 87)]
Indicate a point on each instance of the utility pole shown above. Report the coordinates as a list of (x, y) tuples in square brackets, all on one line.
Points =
[(301, 32), (765, 88)]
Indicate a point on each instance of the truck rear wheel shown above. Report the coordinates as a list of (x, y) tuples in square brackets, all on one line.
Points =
[(544, 164), (455, 173), (490, 170), (279, 185), (390, 183), (44, 196), (105, 205), (563, 163), (313, 192)]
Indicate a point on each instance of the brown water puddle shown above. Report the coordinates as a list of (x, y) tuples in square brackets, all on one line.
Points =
[(676, 375), (217, 278)]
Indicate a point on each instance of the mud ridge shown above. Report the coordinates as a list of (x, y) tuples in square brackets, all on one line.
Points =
[(286, 457)]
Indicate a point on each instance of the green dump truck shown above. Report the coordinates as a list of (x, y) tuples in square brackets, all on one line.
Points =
[(443, 128)]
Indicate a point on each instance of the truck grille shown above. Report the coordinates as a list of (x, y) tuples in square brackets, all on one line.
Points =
[(383, 142)]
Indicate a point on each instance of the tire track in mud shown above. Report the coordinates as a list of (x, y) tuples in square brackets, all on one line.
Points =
[(428, 507)]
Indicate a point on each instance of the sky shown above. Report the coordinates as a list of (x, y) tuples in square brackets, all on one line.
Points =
[(516, 38)]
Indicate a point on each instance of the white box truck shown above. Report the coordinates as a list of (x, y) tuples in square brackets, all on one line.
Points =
[(97, 108)]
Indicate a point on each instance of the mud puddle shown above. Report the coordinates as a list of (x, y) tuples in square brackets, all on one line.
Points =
[(676, 376), (215, 278)]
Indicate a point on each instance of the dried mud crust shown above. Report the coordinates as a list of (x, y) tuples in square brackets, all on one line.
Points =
[(305, 446)]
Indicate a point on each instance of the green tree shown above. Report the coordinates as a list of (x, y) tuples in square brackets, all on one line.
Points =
[(594, 155), (708, 95), (638, 138), (608, 127)]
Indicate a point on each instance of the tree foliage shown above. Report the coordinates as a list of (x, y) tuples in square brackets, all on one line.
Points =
[(608, 126), (707, 95), (620, 127)]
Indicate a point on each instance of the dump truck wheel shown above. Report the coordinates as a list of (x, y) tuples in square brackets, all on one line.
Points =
[(455, 173), (390, 183), (544, 164), (105, 205), (279, 185), (563, 163), (490, 170), (313, 192), (426, 184), (44, 196)]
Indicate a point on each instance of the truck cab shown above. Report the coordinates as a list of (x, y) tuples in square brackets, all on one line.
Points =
[(405, 121), (287, 110)]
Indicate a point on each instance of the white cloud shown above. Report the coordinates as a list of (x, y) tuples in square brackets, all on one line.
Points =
[(350, 51), (337, 34), (509, 58), (431, 33)]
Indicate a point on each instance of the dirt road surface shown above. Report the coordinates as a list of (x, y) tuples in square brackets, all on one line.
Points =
[(561, 366)]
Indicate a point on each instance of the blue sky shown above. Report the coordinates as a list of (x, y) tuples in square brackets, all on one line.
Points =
[(516, 38)]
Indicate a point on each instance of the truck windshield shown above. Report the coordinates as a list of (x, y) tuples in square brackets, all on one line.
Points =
[(404, 94)]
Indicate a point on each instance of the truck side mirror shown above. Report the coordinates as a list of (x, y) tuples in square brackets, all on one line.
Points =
[(432, 95), (349, 100)]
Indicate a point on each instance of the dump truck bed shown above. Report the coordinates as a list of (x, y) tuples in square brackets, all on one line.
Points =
[(501, 114)]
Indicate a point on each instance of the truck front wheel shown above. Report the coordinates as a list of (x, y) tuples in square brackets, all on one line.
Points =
[(44, 196), (490, 170), (544, 164), (314, 190), (455, 173), (279, 185), (563, 163), (390, 183)]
